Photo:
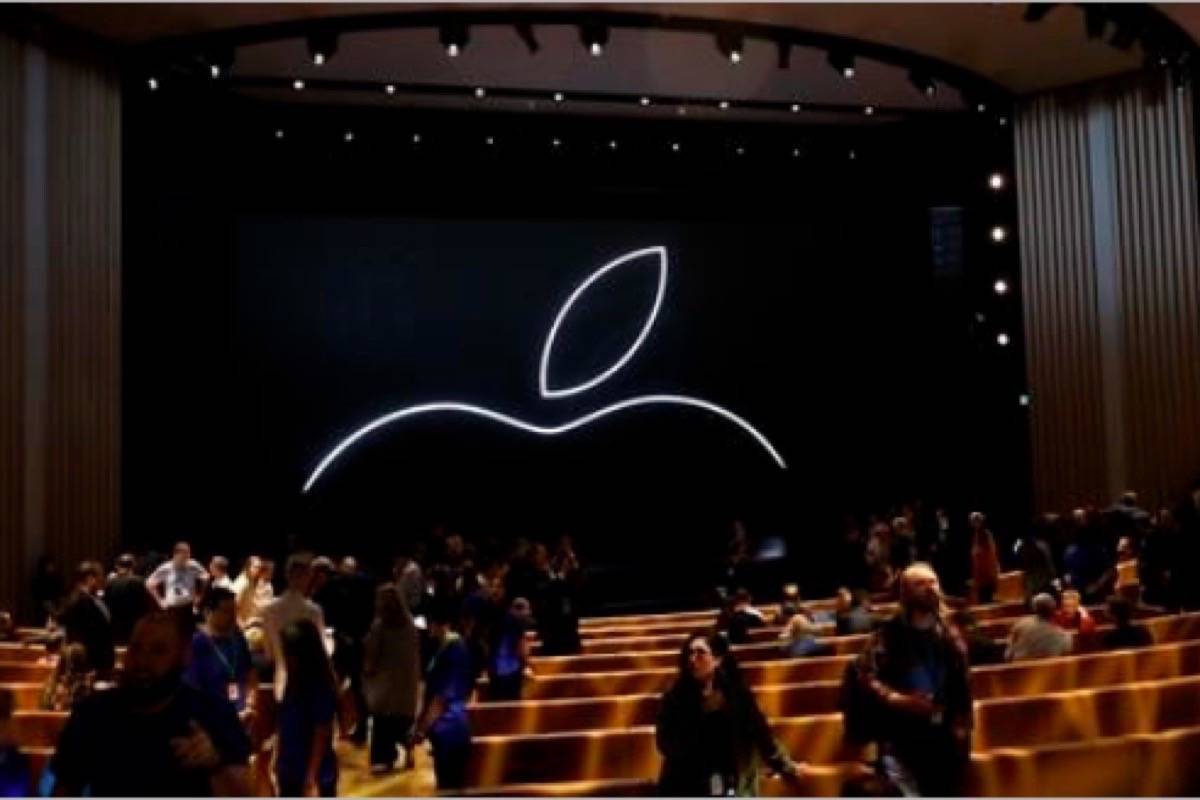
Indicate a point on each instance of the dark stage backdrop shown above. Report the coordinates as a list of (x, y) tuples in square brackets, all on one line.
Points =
[(261, 330)]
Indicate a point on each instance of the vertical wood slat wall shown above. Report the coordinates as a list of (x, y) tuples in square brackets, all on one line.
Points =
[(1152, 443), (80, 454), (12, 296)]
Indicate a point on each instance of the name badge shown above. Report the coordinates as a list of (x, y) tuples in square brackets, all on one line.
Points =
[(233, 692)]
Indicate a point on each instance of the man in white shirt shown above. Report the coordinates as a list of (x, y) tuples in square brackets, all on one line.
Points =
[(292, 605), (177, 582)]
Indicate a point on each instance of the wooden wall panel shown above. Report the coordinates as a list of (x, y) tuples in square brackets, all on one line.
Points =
[(1114, 369), (12, 320), (59, 442)]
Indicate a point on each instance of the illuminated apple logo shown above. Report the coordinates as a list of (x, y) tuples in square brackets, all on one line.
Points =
[(659, 254)]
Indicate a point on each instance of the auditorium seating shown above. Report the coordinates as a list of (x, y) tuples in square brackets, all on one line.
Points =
[(589, 730)]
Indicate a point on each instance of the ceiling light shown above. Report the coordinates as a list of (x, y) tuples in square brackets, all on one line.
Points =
[(1000, 286), (321, 47), (732, 45), (842, 62), (1002, 339), (999, 234), (454, 38), (594, 37), (558, 97), (480, 92), (390, 88), (297, 84), (996, 181), (153, 84)]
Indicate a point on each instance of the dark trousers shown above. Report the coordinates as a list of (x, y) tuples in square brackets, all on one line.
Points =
[(348, 663), (450, 758), (506, 687), (387, 734)]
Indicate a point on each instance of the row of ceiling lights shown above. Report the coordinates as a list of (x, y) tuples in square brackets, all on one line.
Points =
[(455, 38)]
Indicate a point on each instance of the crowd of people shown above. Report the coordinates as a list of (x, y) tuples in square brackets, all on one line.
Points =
[(388, 661)]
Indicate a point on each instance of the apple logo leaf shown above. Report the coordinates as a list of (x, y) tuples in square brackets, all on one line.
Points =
[(654, 256)]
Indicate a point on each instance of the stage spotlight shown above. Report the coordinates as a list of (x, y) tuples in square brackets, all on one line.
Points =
[(999, 234), (795, 152), (741, 151), (297, 84), (996, 181), (612, 144), (1002, 339), (556, 143), (1003, 121), (1000, 286), (153, 84), (321, 47), (923, 83), (480, 92), (842, 62), (732, 46), (416, 138), (454, 38), (525, 31), (674, 147), (594, 37), (981, 107), (785, 54), (980, 318), (1036, 12), (390, 88)]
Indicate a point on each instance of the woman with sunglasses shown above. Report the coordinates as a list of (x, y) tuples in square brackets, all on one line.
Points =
[(711, 733)]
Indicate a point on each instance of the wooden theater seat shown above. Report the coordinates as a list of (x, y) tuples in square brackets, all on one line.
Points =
[(629, 752), (24, 672), (38, 728), (21, 652), (28, 696)]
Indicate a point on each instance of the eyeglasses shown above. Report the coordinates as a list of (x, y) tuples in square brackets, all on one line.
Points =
[(695, 652)]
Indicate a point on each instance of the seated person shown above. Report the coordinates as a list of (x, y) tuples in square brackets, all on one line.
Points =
[(799, 636), (980, 648), (15, 774), (1037, 636), (1071, 616), (789, 604), (1124, 633), (8, 628), (852, 614), (742, 617)]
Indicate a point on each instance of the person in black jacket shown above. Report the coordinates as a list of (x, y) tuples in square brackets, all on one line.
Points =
[(710, 730), (914, 673), (87, 621), (127, 599)]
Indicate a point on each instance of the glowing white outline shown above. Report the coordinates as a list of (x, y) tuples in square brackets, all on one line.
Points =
[(544, 365), (541, 430), (587, 419)]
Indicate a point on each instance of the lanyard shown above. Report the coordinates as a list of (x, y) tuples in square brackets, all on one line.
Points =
[(229, 667)]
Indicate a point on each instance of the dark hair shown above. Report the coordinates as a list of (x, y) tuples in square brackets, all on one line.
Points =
[(86, 569), (125, 561), (716, 641), (309, 668), (220, 561), (298, 563), (214, 597), (442, 611)]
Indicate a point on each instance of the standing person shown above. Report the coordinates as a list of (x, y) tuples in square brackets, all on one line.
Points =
[(305, 764), (87, 620), (177, 583), (508, 658), (391, 677), (448, 684), (153, 735), (1124, 633), (710, 730), (220, 662), (291, 606), (254, 591), (218, 572), (985, 562), (406, 572), (915, 674), (127, 598), (49, 588), (348, 602)]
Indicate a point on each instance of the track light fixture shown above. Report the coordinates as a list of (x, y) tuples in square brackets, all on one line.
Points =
[(594, 37), (525, 31), (922, 83), (732, 45), (454, 37), (842, 62), (321, 47), (220, 62)]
